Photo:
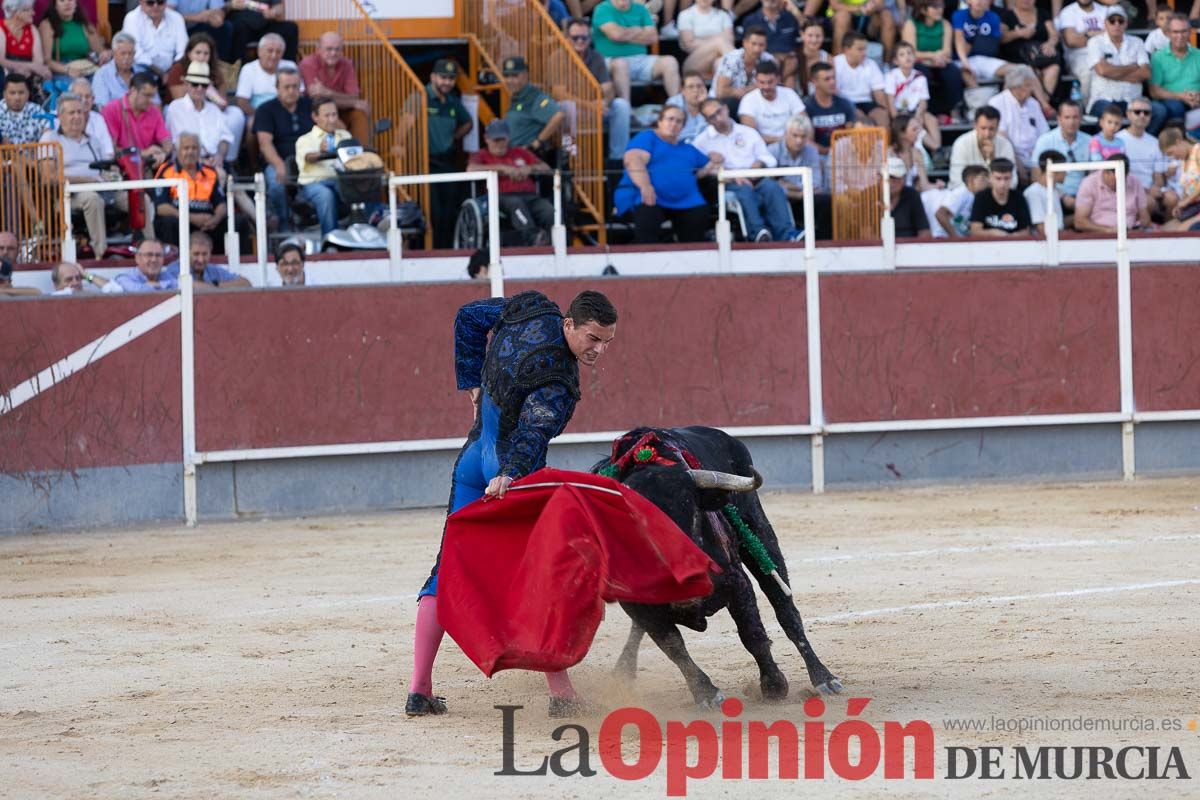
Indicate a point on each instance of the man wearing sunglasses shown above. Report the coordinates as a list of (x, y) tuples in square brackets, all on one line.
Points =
[(1120, 65), (1146, 161), (160, 33), (617, 111)]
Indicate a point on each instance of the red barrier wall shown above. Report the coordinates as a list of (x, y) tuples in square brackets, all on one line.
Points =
[(122, 410), (377, 363), (374, 363), (933, 345), (1166, 337)]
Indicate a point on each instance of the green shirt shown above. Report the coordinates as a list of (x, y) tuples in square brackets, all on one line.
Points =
[(73, 44), (444, 119), (528, 113), (929, 37), (1175, 74), (636, 17)]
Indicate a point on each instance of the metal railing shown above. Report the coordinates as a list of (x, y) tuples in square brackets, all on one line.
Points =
[(506, 28), (390, 86), (854, 159), (398, 182), (31, 201)]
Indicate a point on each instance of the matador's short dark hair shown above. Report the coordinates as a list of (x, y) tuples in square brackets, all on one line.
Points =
[(589, 306)]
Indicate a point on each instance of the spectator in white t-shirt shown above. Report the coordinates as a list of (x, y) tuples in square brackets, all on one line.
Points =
[(1078, 23), (1121, 66), (1146, 161), (1160, 36), (705, 34), (859, 79), (256, 81), (768, 108), (907, 92), (1036, 198), (949, 210)]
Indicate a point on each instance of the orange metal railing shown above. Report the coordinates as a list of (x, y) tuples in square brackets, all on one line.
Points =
[(856, 159), (387, 83), (31, 198), (506, 28)]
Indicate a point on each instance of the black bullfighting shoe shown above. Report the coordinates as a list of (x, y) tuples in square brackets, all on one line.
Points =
[(419, 705)]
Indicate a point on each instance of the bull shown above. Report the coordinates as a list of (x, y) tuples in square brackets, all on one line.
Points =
[(692, 474)]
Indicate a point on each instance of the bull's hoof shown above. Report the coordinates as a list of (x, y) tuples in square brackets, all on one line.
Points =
[(775, 688), (713, 703), (831, 686)]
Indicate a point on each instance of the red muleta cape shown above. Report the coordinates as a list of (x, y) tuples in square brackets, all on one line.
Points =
[(523, 580)]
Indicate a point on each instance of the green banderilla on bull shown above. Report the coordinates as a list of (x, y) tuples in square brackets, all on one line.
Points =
[(758, 551)]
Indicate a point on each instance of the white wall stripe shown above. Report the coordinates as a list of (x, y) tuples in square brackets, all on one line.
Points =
[(1011, 598), (90, 353), (985, 548)]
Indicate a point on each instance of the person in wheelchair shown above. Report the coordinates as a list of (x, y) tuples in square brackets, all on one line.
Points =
[(314, 153), (529, 214)]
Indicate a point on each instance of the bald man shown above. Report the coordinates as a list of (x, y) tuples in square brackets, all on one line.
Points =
[(328, 73)]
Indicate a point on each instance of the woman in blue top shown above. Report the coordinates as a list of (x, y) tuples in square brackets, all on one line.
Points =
[(660, 182)]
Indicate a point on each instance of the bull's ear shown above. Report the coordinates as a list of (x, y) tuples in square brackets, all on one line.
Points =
[(725, 481)]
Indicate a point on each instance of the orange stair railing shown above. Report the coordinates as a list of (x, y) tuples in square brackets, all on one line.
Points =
[(503, 28), (31, 204), (387, 83), (856, 158)]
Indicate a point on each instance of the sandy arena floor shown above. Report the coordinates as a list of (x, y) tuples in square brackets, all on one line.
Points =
[(269, 659)]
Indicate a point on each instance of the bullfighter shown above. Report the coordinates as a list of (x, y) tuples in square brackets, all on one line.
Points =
[(523, 388)]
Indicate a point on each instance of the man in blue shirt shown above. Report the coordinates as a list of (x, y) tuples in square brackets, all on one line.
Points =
[(200, 263), (1071, 142), (148, 275), (977, 42), (523, 386)]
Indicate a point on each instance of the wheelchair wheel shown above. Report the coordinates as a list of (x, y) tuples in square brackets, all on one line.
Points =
[(469, 230)]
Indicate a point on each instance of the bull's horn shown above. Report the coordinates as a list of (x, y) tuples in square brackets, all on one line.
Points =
[(708, 479)]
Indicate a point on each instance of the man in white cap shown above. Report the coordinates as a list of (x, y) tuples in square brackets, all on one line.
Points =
[(193, 113)]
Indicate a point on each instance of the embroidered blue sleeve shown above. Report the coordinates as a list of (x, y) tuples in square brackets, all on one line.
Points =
[(544, 414), (471, 328)]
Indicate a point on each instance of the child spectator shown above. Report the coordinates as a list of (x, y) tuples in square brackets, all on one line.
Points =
[(907, 91), (1160, 37), (859, 79), (1105, 144)]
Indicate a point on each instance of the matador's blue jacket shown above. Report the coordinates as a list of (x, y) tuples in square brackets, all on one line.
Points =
[(528, 372)]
